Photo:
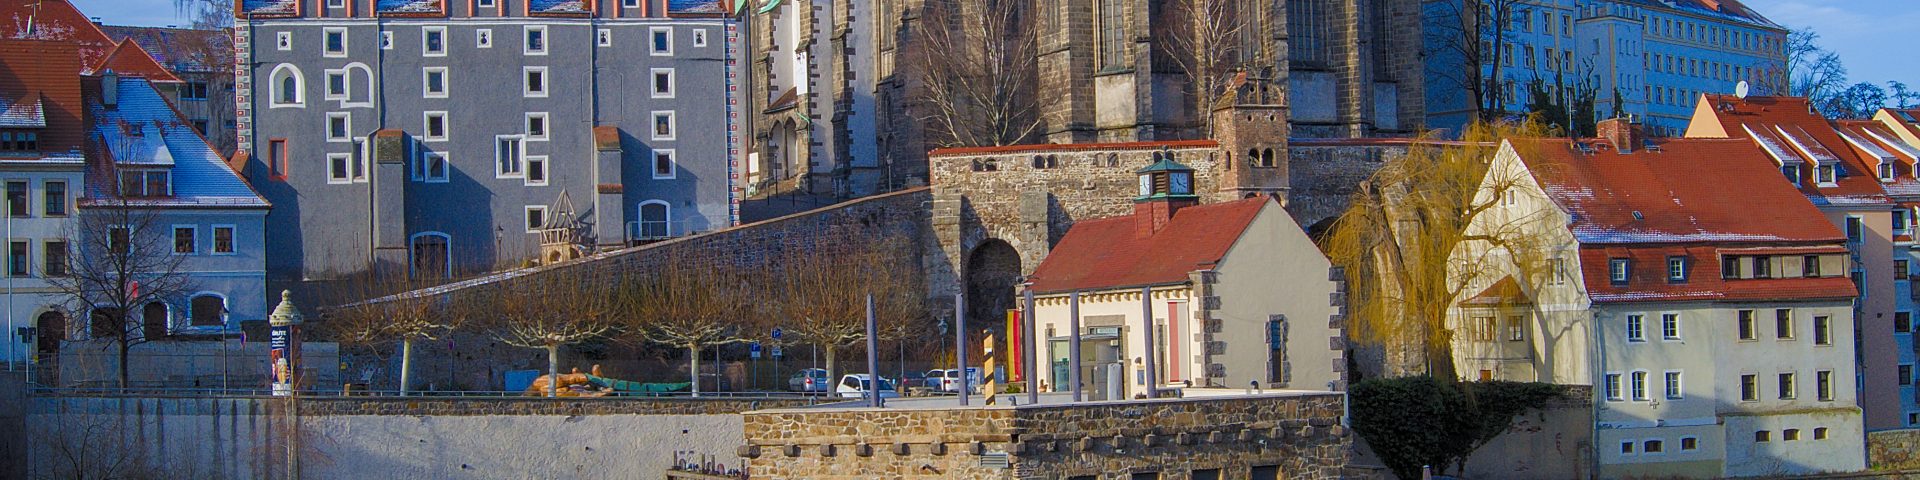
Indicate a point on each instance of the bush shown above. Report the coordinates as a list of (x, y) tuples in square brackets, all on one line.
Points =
[(1412, 422)]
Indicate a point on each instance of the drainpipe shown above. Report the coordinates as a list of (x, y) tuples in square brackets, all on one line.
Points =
[(1597, 352)]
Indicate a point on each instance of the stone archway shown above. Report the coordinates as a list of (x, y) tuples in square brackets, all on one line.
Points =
[(991, 277)]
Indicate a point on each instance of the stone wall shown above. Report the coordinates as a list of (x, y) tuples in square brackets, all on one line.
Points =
[(1290, 435), (188, 364), (248, 437), (1893, 449), (1549, 442), (1326, 173)]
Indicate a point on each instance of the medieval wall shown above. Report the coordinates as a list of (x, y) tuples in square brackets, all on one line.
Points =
[(1265, 436), (1325, 173)]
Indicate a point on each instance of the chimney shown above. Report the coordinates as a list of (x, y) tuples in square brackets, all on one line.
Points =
[(1625, 135), (110, 89)]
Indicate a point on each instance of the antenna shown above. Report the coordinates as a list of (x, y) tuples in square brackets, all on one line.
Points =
[(1742, 89)]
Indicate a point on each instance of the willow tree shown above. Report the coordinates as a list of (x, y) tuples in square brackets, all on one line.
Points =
[(1398, 243), (692, 306), (824, 290)]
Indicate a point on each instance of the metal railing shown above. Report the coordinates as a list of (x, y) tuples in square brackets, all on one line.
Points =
[(43, 390)]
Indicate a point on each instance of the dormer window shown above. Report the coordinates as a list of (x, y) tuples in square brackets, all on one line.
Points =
[(1792, 172), (146, 183), (1826, 175), (1886, 171), (16, 141), (1617, 270)]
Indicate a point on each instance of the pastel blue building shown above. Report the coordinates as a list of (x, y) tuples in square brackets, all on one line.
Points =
[(1654, 58)]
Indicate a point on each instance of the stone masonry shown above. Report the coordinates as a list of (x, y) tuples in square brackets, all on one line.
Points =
[(1265, 436)]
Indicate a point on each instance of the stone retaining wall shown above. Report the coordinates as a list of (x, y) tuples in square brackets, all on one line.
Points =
[(1893, 449), (1290, 436)]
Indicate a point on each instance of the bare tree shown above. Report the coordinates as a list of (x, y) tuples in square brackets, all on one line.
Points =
[(686, 305), (549, 311), (980, 72), (411, 317), (1405, 224), (206, 14), (1899, 95), (1473, 35), (1208, 53), (823, 294), (125, 252)]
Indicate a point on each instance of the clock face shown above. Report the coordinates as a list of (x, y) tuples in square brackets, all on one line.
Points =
[(1180, 183), (1146, 185)]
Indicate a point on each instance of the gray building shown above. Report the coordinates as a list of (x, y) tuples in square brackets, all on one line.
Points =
[(451, 138)]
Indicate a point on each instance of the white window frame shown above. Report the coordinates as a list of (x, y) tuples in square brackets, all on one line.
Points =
[(1674, 385), (526, 33), (299, 87), (546, 127), (484, 4), (526, 83), (1635, 328), (173, 238), (233, 239), (530, 163), (413, 242), (673, 125), (1826, 175), (653, 48), (1613, 387), (673, 160), (336, 3), (603, 37), (630, 3), (529, 212), (347, 101), (653, 82), (340, 177), (1678, 333), (519, 163), (345, 46), (699, 37), (425, 50), (283, 41), (346, 85), (423, 167), (1637, 385), (483, 38), (426, 126), (446, 82), (363, 153), (346, 136)]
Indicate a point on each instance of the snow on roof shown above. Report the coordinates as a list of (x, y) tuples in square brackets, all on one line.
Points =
[(408, 6), (143, 129), (1805, 143), (696, 6), (1782, 156), (269, 6), (557, 6), (24, 112)]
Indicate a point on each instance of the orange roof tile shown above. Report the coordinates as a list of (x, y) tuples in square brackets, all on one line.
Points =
[(128, 59), (1788, 127), (1108, 253)]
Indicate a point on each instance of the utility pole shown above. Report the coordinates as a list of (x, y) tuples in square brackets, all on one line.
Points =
[(960, 343)]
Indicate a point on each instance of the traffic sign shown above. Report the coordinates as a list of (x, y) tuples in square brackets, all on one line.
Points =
[(754, 351), (777, 333), (776, 351)]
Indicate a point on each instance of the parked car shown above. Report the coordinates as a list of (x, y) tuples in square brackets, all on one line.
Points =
[(912, 379), (855, 385), (948, 379), (808, 380)]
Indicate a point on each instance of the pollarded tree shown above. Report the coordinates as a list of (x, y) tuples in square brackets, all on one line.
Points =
[(1398, 239), (394, 309), (823, 293), (548, 311), (686, 305)]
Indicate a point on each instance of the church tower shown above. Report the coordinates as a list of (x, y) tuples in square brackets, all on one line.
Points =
[(1251, 125)]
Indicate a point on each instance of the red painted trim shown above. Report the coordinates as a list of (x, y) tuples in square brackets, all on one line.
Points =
[(1074, 147)]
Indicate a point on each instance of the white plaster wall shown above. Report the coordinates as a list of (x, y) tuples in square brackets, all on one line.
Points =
[(1275, 269)]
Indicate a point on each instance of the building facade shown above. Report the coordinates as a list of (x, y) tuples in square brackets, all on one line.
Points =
[(203, 61), (1716, 340), (448, 138), (844, 98), (1642, 58)]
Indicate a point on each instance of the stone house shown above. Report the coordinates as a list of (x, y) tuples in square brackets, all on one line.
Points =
[(1714, 331), (1238, 293)]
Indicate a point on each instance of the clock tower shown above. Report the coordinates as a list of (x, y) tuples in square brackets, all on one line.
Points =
[(1166, 186)]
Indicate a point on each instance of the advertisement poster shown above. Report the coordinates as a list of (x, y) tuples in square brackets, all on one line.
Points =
[(280, 355)]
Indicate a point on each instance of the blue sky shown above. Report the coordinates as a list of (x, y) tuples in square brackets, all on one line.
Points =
[(1864, 32)]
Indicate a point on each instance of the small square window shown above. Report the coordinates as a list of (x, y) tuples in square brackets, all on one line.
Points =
[(536, 126), (661, 42), (535, 82), (433, 82), (1689, 443), (433, 42), (1762, 436), (484, 3), (536, 40), (483, 38), (663, 126), (1627, 447), (336, 41), (222, 239), (663, 83), (336, 85), (1653, 446), (339, 127), (1790, 434), (1676, 269), (339, 168), (536, 217), (664, 167), (536, 170), (1820, 433), (431, 168)]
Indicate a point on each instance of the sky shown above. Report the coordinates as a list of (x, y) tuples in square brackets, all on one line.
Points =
[(1847, 27)]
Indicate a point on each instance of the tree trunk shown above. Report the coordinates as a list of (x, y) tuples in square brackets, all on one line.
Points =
[(125, 347), (833, 371), (406, 364), (693, 366), (553, 370)]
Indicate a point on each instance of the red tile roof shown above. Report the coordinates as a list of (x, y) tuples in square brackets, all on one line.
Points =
[(1504, 292), (1658, 196), (55, 20), (1108, 253), (128, 59), (1788, 127), (51, 71), (1647, 279)]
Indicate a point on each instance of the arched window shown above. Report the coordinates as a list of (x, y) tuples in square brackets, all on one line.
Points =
[(655, 221), (1266, 158), (153, 318), (53, 330), (288, 86), (429, 255), (208, 310)]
